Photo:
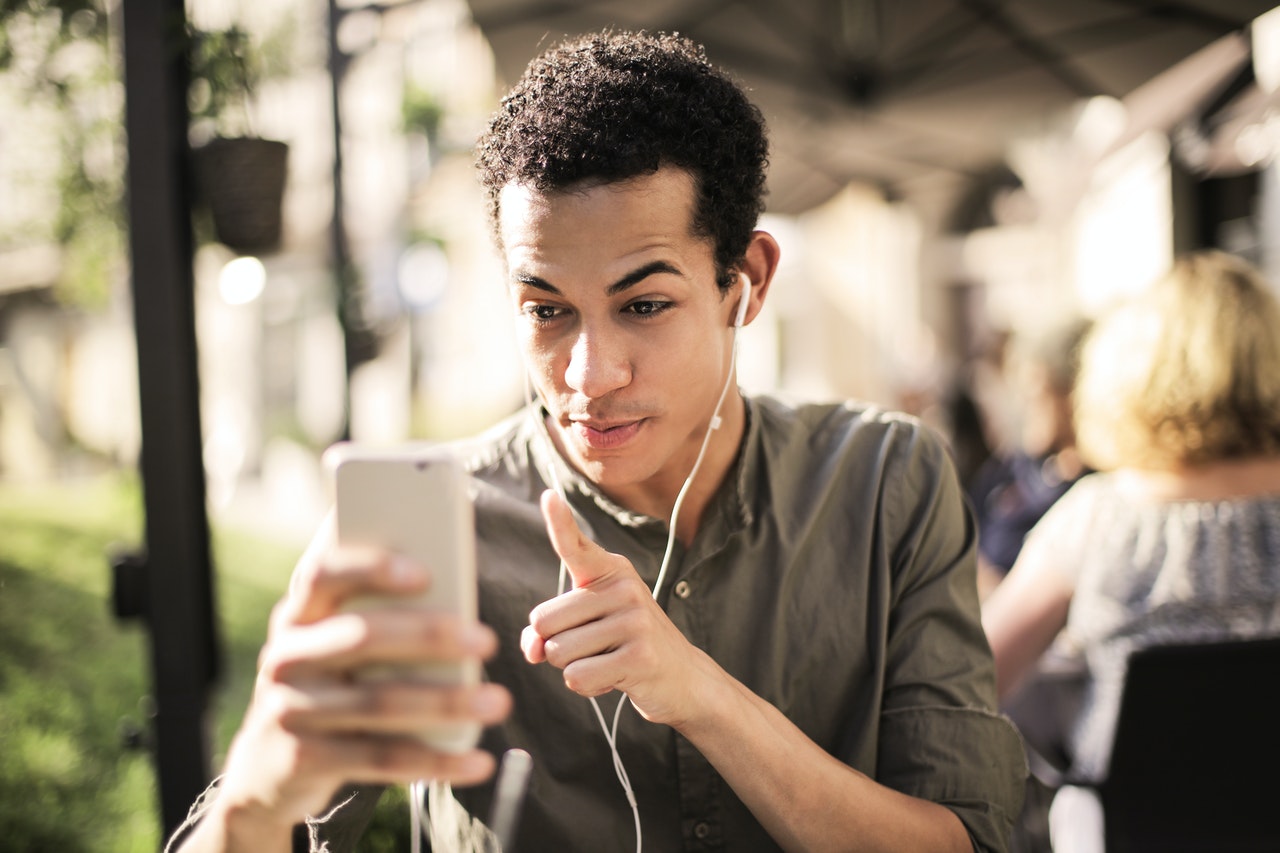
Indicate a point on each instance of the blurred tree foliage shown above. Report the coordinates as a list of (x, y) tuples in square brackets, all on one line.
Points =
[(227, 67), (60, 59)]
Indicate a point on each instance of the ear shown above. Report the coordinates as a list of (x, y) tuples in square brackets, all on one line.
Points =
[(759, 264)]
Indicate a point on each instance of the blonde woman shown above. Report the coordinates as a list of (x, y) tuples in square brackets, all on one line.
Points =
[(1177, 538)]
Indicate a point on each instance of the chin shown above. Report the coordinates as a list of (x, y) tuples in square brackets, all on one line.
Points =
[(610, 472), (617, 473)]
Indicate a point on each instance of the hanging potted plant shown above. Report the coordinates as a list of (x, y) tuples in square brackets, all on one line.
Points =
[(240, 176)]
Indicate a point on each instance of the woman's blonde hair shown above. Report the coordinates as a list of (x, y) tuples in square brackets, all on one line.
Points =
[(1188, 372)]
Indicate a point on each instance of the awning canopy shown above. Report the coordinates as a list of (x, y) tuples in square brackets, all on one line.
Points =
[(918, 97)]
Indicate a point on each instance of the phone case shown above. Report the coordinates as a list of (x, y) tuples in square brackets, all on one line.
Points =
[(413, 500)]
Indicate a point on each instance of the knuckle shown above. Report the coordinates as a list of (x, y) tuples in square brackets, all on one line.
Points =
[(634, 592), (391, 756), (556, 654), (288, 717), (633, 620), (450, 704), (537, 618), (272, 706), (378, 700), (382, 754), (579, 680), (436, 632), (407, 702), (306, 580), (358, 633), (643, 657), (432, 629), (272, 666), (296, 756), (281, 615)]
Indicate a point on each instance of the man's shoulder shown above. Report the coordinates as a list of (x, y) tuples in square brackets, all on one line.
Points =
[(849, 448), (831, 424), (503, 447)]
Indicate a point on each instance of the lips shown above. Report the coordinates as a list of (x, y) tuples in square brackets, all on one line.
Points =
[(605, 436)]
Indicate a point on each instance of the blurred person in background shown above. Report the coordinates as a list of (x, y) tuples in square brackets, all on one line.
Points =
[(1039, 463), (959, 418), (1177, 538)]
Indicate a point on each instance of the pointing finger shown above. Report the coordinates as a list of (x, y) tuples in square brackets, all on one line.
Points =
[(586, 561)]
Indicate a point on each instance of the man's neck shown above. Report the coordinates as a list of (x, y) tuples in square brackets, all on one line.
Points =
[(656, 497), (721, 452)]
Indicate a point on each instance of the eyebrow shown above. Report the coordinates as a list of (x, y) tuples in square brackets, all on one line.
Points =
[(629, 280)]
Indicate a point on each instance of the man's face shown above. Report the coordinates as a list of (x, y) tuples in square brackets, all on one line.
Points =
[(625, 333)]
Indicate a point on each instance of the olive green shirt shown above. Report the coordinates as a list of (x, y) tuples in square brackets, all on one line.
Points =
[(833, 574)]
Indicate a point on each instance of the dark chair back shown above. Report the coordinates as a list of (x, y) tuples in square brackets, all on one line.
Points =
[(1196, 762)]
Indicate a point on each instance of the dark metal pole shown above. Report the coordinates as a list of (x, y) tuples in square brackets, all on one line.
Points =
[(176, 573), (346, 297), (359, 340), (337, 72)]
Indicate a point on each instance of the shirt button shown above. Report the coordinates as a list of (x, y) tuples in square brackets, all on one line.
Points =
[(683, 591), (701, 829)]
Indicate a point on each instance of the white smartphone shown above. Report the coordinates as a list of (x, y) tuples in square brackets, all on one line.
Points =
[(413, 500)]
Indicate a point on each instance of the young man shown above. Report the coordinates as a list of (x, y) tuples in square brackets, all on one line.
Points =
[(812, 674)]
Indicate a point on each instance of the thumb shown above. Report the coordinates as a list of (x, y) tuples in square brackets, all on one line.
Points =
[(586, 561)]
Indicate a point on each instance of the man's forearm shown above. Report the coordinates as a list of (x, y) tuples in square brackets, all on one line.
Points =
[(804, 797)]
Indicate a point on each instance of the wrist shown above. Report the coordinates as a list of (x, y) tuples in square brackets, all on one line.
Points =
[(231, 826), (712, 698)]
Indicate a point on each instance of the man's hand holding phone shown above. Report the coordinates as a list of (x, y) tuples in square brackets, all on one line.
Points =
[(318, 721)]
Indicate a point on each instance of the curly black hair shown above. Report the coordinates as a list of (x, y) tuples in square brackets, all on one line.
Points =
[(616, 105)]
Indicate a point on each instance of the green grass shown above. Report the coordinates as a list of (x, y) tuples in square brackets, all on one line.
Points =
[(71, 674), (68, 675)]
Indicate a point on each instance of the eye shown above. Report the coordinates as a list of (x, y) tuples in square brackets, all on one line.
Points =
[(648, 307), (541, 312)]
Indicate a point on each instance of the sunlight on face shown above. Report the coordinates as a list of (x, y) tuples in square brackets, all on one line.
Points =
[(625, 333)]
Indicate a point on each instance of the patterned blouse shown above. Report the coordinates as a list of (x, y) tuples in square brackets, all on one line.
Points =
[(1150, 572)]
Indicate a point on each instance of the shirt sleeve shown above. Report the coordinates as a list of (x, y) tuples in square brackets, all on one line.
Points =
[(941, 738)]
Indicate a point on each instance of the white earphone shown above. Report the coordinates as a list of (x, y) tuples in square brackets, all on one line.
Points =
[(744, 301)]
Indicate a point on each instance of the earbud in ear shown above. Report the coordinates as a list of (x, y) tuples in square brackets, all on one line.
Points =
[(743, 301)]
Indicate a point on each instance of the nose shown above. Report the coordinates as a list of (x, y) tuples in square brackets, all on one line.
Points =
[(596, 366)]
